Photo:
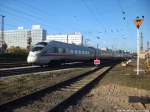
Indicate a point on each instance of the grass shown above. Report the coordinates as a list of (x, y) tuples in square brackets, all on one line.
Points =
[(18, 86), (126, 76)]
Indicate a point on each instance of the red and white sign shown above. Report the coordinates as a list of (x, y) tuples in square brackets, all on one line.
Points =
[(96, 61)]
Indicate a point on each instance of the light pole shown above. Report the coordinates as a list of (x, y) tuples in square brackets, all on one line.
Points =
[(97, 41), (2, 34), (138, 22), (97, 46), (86, 40), (67, 38)]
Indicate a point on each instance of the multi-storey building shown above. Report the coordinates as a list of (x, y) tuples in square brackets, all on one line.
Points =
[(16, 38), (19, 37), (37, 34), (75, 38)]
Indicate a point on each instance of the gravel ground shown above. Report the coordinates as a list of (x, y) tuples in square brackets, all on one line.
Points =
[(112, 97), (15, 87)]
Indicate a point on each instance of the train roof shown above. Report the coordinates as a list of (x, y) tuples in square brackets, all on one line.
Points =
[(71, 46), (62, 44)]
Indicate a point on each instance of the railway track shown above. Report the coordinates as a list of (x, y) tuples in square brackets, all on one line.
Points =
[(4, 72), (59, 96), (12, 64)]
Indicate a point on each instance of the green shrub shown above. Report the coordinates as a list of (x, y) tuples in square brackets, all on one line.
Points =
[(17, 51)]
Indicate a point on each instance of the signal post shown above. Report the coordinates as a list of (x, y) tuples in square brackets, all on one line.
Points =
[(138, 23)]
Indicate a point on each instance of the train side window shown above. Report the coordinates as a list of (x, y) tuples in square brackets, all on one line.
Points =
[(54, 49), (67, 50), (61, 50), (76, 51), (71, 51), (83, 52), (80, 52), (86, 52)]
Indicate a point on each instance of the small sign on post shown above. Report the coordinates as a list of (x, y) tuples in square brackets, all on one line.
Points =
[(97, 61)]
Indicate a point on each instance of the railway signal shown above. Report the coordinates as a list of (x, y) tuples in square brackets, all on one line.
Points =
[(138, 21)]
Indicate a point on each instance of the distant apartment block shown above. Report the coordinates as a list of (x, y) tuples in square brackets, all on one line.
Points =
[(19, 36), (74, 38), (37, 34)]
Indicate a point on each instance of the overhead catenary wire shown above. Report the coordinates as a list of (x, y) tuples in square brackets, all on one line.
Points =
[(91, 12), (38, 9), (27, 16)]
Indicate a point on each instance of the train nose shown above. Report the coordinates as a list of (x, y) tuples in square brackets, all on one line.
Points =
[(32, 58)]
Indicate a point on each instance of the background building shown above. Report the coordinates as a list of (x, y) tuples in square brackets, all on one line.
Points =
[(16, 38), (37, 34), (19, 37), (75, 38)]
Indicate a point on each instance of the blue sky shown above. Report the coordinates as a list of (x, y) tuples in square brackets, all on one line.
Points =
[(93, 18)]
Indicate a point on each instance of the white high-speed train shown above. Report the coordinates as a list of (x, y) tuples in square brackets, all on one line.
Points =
[(44, 53)]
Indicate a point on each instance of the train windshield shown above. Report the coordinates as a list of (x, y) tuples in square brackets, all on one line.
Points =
[(42, 43), (37, 48)]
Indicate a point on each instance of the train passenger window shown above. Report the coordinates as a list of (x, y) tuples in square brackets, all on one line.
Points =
[(83, 52), (55, 50), (80, 52), (67, 50), (71, 51), (76, 51), (61, 50), (86, 52)]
